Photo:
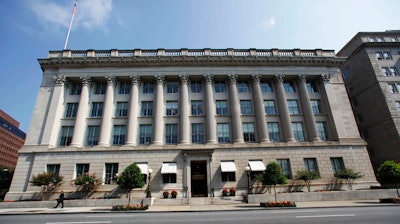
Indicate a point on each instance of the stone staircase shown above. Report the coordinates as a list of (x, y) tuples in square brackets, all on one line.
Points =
[(199, 201)]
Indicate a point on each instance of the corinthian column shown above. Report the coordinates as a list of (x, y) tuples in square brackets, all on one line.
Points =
[(211, 126), (260, 111), (158, 122), (82, 113), (284, 110), (307, 109), (237, 132), (106, 123), (133, 112), (184, 122)]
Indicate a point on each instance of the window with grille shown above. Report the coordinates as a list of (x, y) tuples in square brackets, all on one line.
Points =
[(171, 134), (66, 135), (298, 131), (248, 132), (269, 107), (293, 107), (97, 109), (71, 109), (273, 131), (124, 88), (220, 86), (223, 133), (198, 133), (196, 86), (147, 108), (266, 87), (246, 107), (121, 109), (93, 133), (221, 107), (148, 87), (119, 134), (145, 134), (171, 108), (197, 107)]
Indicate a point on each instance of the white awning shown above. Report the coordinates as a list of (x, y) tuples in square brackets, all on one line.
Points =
[(168, 168), (256, 165), (143, 167), (228, 166)]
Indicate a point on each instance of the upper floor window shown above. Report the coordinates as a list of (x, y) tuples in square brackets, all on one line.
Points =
[(119, 134), (198, 133), (171, 134), (371, 39), (71, 109), (312, 87), (97, 109), (172, 87), (111, 171), (393, 71), (394, 39), (197, 107), (266, 87), (66, 135), (387, 55), (223, 133), (220, 86), (394, 87), (222, 107), (248, 132), (380, 39), (124, 88), (383, 55), (243, 87), (148, 87), (92, 136), (322, 130), (145, 134), (196, 86), (289, 87), (122, 109), (100, 88), (269, 107), (316, 106), (245, 107), (298, 131), (171, 108), (273, 131), (147, 108), (75, 89), (398, 106), (293, 107)]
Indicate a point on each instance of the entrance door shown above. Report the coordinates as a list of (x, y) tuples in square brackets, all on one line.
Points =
[(199, 178)]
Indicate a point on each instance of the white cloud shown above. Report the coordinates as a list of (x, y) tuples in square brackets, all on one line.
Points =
[(93, 14), (267, 23)]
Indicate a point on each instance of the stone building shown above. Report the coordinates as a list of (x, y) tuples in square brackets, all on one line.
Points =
[(371, 75), (202, 120)]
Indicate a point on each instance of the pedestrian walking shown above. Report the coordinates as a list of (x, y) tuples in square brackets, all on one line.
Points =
[(60, 200)]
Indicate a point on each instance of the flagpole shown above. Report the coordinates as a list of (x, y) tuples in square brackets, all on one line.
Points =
[(70, 25)]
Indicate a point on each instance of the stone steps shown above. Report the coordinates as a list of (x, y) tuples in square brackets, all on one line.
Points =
[(199, 201)]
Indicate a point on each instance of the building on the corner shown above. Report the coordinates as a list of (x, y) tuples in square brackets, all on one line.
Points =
[(11, 140), (198, 118), (372, 78)]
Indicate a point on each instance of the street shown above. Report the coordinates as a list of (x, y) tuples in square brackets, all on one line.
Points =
[(365, 215)]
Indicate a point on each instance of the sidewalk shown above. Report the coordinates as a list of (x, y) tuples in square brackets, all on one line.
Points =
[(190, 208)]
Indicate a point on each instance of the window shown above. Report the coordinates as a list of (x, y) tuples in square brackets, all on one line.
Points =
[(81, 169), (169, 178), (168, 171), (322, 130), (147, 108), (66, 135), (398, 106), (100, 88), (228, 176), (248, 132), (269, 107), (337, 164), (243, 87), (293, 107), (92, 137), (124, 88), (273, 131), (145, 134), (228, 170), (394, 39), (172, 87), (171, 108), (122, 109), (393, 88), (196, 86), (316, 106), (385, 71), (380, 39), (111, 173), (379, 55), (148, 87), (245, 107), (197, 107), (387, 55), (198, 133), (220, 87), (97, 109), (312, 87), (393, 71), (119, 134), (266, 87), (75, 89), (285, 165), (289, 87), (311, 165), (383, 55), (53, 168), (222, 107), (298, 131), (171, 134), (371, 39), (223, 133), (71, 110)]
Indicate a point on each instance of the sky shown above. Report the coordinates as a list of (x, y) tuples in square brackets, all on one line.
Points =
[(31, 28)]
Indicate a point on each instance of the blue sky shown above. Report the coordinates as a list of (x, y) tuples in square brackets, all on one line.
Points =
[(30, 28)]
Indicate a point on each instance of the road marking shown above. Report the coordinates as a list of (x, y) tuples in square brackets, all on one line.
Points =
[(294, 211), (325, 216), (108, 216), (99, 222)]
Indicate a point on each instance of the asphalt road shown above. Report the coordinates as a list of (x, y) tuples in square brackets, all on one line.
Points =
[(364, 215)]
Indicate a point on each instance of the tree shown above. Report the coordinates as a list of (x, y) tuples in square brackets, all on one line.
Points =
[(348, 175), (88, 182), (307, 176), (389, 173), (47, 181), (131, 178), (274, 175)]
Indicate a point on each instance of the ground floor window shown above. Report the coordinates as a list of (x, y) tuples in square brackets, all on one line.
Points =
[(337, 164), (311, 165), (111, 173), (228, 176), (285, 165), (53, 168), (169, 178), (81, 169)]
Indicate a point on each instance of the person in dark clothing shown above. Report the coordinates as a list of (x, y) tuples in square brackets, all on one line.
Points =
[(60, 200)]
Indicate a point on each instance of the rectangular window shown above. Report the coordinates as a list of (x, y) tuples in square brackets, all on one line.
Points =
[(171, 108), (293, 107), (172, 87), (122, 109), (75, 89), (81, 169), (100, 88), (111, 170), (311, 165), (223, 133), (228, 170), (248, 132), (53, 168), (71, 109), (243, 87), (385, 71), (97, 109), (322, 130), (298, 131), (220, 86), (387, 55), (245, 107), (169, 178), (289, 87), (145, 134), (393, 71), (285, 165), (197, 107), (269, 107), (394, 39), (266, 87), (168, 171), (222, 107), (119, 134), (380, 39), (198, 133), (393, 88), (379, 55), (148, 87), (228, 176), (273, 131), (147, 108), (371, 39), (93, 133), (124, 88), (66, 135), (196, 86), (337, 164), (316, 106), (312, 87), (398, 106), (171, 134)]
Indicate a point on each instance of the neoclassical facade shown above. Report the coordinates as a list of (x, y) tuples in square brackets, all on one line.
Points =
[(199, 119)]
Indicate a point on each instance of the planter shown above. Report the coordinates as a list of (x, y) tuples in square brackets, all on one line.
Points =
[(173, 195)]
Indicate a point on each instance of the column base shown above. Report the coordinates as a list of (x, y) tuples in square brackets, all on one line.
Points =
[(76, 145)]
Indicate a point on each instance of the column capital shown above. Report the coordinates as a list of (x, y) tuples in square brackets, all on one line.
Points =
[(60, 80), (110, 80), (279, 78), (160, 79), (325, 77), (256, 78), (208, 78), (302, 78), (86, 81), (184, 78), (232, 79), (135, 79)]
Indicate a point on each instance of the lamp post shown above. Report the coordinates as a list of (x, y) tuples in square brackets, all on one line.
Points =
[(148, 195), (249, 191)]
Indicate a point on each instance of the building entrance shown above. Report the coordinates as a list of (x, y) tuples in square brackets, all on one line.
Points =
[(199, 178)]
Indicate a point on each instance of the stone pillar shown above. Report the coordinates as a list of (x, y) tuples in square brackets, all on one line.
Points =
[(237, 132), (133, 112), (260, 111), (184, 112), (211, 126), (286, 123), (106, 123), (81, 116), (158, 122), (309, 118)]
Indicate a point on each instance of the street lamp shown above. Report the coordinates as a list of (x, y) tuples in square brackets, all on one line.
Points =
[(148, 195), (249, 191)]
